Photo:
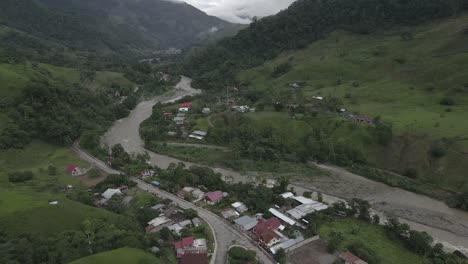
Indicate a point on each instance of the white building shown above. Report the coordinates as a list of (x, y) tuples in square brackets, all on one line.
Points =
[(109, 193), (240, 207)]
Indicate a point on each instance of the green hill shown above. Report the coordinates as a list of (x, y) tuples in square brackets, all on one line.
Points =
[(24, 207), (120, 256), (105, 28), (402, 81), (404, 65)]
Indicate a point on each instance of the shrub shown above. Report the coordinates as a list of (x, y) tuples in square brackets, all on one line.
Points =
[(20, 176), (410, 173), (438, 152), (447, 101), (356, 84), (363, 252)]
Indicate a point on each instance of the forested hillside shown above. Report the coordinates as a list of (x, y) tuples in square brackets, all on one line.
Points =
[(118, 28), (304, 22), (314, 69)]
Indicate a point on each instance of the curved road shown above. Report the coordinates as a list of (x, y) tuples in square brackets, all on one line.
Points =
[(225, 234), (126, 132)]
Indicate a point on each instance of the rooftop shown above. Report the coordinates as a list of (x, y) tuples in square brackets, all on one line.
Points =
[(214, 196), (246, 222), (281, 216)]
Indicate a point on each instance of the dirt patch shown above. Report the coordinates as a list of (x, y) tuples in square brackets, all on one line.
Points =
[(314, 252), (88, 181)]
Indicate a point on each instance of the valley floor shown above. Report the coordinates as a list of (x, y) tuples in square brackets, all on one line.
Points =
[(422, 213)]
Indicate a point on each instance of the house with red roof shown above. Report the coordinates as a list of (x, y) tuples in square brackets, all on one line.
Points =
[(264, 225), (194, 258), (265, 231), (213, 197), (269, 238), (74, 170), (186, 242), (187, 104), (349, 258)]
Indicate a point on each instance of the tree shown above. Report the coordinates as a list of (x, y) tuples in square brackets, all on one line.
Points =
[(334, 242), (280, 256), (17, 177)]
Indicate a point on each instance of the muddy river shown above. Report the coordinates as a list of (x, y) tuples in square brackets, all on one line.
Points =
[(420, 212)]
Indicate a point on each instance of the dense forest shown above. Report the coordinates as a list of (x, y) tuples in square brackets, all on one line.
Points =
[(302, 23)]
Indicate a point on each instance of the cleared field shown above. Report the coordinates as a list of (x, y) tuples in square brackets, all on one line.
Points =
[(26, 211), (120, 256), (374, 237), (24, 206)]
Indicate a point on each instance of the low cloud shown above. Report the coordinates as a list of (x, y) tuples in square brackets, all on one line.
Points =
[(240, 11)]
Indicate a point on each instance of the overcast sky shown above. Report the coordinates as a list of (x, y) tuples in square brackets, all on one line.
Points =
[(239, 11)]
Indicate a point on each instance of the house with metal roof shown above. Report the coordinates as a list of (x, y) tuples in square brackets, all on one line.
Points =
[(239, 207), (246, 222)]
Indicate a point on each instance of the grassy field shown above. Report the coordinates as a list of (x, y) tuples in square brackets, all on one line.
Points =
[(202, 124), (120, 256), (24, 206), (372, 236), (402, 81)]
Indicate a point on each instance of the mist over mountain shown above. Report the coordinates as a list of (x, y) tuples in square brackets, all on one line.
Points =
[(110, 26)]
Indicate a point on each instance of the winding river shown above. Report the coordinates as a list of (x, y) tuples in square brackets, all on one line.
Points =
[(420, 212)]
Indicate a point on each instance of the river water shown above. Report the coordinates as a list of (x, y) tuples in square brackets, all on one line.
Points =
[(420, 212)]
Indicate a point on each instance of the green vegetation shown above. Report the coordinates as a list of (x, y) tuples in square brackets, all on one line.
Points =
[(120, 256), (374, 237), (427, 139), (303, 22), (24, 206), (406, 74), (238, 255)]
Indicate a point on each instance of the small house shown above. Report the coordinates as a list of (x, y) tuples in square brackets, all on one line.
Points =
[(186, 242), (213, 197), (246, 222), (206, 111), (158, 207), (269, 238), (270, 183), (182, 194), (229, 213), (109, 193), (349, 258), (186, 105), (74, 170), (240, 207), (196, 222), (198, 135), (198, 194), (194, 258), (264, 225)]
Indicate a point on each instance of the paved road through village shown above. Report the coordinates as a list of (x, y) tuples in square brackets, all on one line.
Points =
[(224, 233)]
